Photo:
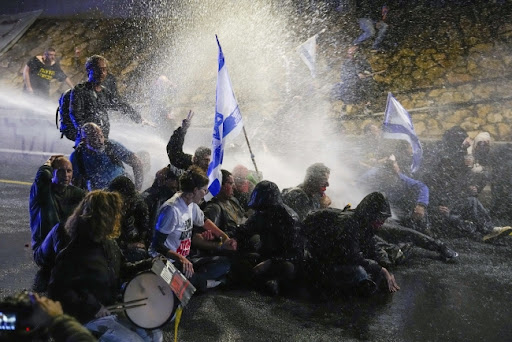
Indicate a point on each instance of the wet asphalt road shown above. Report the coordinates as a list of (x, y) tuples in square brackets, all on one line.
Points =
[(469, 300)]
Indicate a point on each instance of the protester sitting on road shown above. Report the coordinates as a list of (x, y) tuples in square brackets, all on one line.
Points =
[(90, 101), (52, 199), (310, 195), (455, 206), (245, 180), (273, 233), (88, 272), (40, 70), (342, 250), (164, 187), (409, 200), (224, 209), (181, 161), (136, 234), (173, 233), (480, 162), (97, 161)]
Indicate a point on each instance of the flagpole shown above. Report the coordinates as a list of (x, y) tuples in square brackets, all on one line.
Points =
[(250, 151)]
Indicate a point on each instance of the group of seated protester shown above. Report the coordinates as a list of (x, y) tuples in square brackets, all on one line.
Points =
[(93, 236)]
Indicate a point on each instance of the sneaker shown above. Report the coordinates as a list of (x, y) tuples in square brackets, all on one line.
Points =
[(210, 284), (497, 232), (448, 254)]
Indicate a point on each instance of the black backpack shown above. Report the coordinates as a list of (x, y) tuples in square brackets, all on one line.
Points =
[(66, 126)]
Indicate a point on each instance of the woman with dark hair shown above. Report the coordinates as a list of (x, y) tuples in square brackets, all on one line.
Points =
[(173, 233), (135, 232), (272, 232), (88, 272)]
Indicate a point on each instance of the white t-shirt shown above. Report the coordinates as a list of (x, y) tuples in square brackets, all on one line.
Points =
[(176, 219)]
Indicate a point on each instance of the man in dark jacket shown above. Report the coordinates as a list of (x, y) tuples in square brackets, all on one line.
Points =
[(90, 101), (310, 195), (52, 199), (343, 251), (181, 161), (371, 15), (224, 209)]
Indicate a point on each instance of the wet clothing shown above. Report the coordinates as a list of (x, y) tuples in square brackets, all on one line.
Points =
[(180, 160), (271, 236), (88, 105), (41, 74), (226, 214), (88, 274), (501, 184), (173, 231), (402, 192), (342, 250), (56, 240), (65, 328), (154, 198), (48, 206), (135, 228), (175, 220), (352, 89), (98, 169), (301, 202)]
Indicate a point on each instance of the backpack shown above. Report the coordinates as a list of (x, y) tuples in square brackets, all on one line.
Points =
[(66, 126)]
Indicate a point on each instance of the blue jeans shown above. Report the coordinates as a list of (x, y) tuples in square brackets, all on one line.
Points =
[(368, 27), (118, 329)]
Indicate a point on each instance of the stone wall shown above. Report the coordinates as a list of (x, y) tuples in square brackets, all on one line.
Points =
[(450, 70)]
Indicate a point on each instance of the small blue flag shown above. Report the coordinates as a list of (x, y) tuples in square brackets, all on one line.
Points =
[(398, 125), (227, 124)]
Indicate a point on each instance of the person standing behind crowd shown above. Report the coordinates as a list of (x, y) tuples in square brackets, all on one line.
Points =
[(173, 233), (372, 15), (40, 70), (90, 101), (88, 272), (52, 200)]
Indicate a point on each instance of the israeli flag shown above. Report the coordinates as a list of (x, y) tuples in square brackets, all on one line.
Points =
[(398, 125), (307, 52), (226, 126)]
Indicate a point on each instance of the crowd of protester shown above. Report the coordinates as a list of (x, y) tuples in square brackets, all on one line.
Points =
[(93, 227)]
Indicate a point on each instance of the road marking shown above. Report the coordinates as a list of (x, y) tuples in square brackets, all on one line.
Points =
[(38, 153), (14, 182)]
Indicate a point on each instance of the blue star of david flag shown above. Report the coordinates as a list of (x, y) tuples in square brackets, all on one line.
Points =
[(227, 124), (398, 125)]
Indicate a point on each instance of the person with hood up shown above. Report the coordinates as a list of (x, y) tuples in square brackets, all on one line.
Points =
[(342, 251)]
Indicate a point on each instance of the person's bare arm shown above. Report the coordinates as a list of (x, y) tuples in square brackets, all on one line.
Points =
[(26, 78)]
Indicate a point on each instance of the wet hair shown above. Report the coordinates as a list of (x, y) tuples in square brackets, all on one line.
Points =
[(57, 162), (94, 61), (97, 217), (193, 178), (266, 194), (49, 49), (316, 172), (124, 186), (88, 129), (225, 176), (201, 152), (454, 137)]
